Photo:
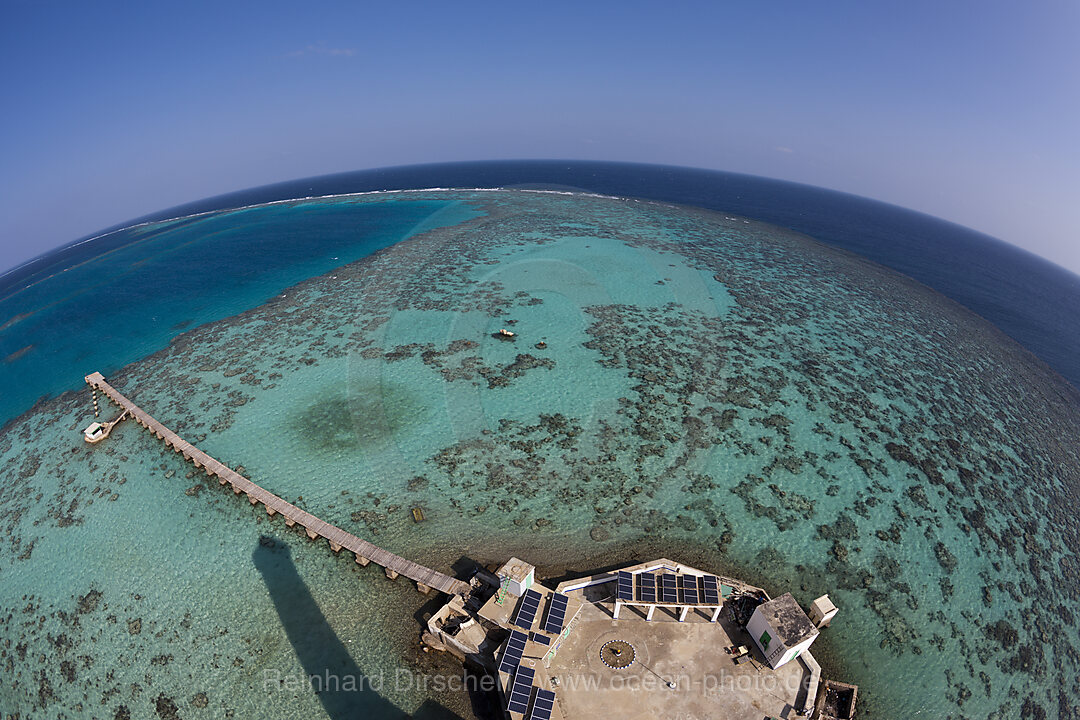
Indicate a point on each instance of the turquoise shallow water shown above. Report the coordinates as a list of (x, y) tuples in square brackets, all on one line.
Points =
[(158, 279), (710, 388)]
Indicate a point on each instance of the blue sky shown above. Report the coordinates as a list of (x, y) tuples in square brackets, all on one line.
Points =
[(965, 110)]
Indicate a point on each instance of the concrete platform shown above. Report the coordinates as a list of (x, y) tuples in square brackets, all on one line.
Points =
[(708, 683)]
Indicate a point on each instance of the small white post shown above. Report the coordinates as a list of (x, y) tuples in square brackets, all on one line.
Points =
[(648, 615), (618, 606), (683, 612), (716, 613)]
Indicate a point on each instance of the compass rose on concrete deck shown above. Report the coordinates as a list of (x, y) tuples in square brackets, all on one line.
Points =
[(617, 654)]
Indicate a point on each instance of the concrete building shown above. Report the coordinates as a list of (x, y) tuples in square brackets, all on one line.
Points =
[(822, 611), (781, 630), (516, 576)]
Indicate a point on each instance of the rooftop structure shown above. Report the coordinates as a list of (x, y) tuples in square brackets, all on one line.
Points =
[(604, 646), (516, 576), (781, 630), (822, 611)]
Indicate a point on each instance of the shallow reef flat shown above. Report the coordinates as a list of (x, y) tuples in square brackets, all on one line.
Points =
[(679, 383)]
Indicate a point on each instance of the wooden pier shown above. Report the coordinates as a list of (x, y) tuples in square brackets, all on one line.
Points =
[(365, 552)]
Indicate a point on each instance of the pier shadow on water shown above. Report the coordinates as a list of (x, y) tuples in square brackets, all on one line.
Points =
[(345, 692)]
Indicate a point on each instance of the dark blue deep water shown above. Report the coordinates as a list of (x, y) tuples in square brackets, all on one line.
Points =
[(1032, 300)]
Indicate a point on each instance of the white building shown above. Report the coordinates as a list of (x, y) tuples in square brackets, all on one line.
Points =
[(781, 630), (822, 611), (516, 576)]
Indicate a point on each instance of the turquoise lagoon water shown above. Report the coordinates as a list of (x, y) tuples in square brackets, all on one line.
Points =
[(111, 307), (709, 388)]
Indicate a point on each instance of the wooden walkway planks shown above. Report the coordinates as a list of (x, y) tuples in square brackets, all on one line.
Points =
[(365, 552)]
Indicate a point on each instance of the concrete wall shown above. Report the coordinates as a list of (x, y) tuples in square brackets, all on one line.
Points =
[(796, 651), (774, 648)]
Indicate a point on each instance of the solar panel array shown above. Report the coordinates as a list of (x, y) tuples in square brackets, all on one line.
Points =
[(542, 639), (669, 588), (668, 593), (712, 589), (526, 612), (556, 613), (541, 709), (511, 657), (689, 589), (521, 690), (625, 589), (647, 587)]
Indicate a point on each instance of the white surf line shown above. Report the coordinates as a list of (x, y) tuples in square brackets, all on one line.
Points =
[(331, 197), (238, 208)]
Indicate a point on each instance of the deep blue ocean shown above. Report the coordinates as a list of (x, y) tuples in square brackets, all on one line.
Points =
[(1030, 299)]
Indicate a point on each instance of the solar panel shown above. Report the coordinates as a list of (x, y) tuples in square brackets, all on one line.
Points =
[(521, 690), (689, 589), (541, 709), (556, 614), (668, 593), (712, 590), (647, 585), (542, 639), (511, 657), (625, 590), (526, 612)]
